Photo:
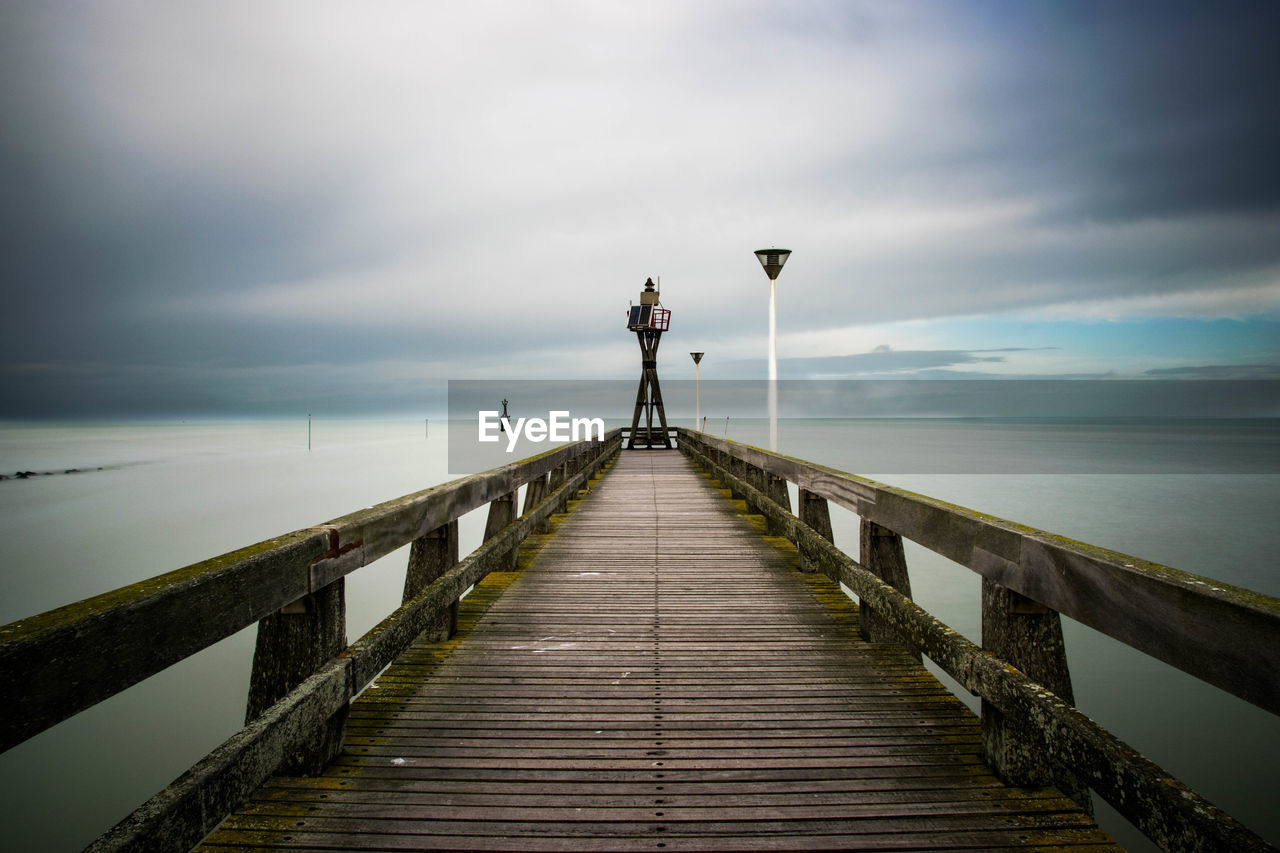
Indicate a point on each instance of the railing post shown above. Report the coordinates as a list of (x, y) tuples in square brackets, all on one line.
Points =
[(292, 644), (773, 488), (725, 461), (776, 489), (534, 494), (555, 480), (502, 511), (815, 513), (431, 555), (738, 468), (1028, 636), (753, 475), (571, 467), (580, 463), (883, 556)]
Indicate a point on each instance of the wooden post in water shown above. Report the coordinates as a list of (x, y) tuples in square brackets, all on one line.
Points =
[(1027, 635), (815, 513), (501, 513), (431, 555), (292, 644), (883, 556)]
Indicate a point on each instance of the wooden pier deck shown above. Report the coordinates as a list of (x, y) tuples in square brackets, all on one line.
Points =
[(658, 676)]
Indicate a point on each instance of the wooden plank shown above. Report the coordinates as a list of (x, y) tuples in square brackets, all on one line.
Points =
[(533, 795), (385, 821), (658, 674)]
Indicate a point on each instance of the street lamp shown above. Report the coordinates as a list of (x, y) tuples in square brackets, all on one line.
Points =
[(772, 261), (697, 394)]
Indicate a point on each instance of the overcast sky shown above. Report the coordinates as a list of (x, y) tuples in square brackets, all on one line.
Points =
[(268, 208)]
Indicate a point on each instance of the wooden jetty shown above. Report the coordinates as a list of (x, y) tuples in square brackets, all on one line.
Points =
[(654, 654), (658, 676)]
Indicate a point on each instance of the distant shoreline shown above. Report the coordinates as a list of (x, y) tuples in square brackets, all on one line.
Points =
[(88, 469), (28, 475)]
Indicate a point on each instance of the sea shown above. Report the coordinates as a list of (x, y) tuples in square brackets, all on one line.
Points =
[(102, 505)]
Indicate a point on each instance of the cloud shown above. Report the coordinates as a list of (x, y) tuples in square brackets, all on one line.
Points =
[(1218, 371), (883, 361), (144, 391), (290, 186)]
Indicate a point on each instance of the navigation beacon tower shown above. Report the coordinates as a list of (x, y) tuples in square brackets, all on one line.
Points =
[(648, 320)]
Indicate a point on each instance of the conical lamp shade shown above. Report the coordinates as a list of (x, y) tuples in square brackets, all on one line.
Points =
[(772, 260)]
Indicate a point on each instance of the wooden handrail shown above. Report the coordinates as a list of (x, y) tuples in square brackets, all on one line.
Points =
[(1224, 635), (58, 663), (182, 814), (1162, 807)]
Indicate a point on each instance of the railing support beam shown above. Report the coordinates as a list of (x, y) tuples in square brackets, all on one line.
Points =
[(816, 514), (776, 489), (555, 479), (535, 493), (292, 645), (430, 556), (1027, 635), (501, 513), (882, 555), (737, 468)]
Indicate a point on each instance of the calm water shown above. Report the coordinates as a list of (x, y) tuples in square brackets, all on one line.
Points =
[(1200, 496)]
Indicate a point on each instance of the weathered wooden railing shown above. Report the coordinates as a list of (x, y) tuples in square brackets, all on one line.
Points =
[(54, 665), (1226, 636)]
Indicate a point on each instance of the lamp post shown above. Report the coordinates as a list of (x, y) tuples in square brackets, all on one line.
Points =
[(697, 392), (772, 261)]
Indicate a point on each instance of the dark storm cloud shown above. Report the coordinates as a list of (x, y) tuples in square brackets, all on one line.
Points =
[(1141, 109), (147, 391), (230, 208), (1111, 158), (92, 230)]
